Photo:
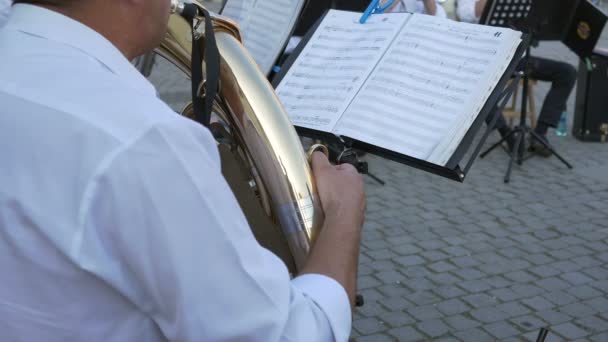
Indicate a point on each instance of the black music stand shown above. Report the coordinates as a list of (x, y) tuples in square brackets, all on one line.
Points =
[(538, 19)]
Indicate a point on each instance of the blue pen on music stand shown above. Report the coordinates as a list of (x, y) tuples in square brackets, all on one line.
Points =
[(375, 8)]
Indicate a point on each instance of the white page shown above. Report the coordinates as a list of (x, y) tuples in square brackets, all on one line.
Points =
[(334, 64), (265, 26), (428, 87), (238, 10)]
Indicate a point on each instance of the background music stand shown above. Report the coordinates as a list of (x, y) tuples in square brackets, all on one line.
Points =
[(537, 18)]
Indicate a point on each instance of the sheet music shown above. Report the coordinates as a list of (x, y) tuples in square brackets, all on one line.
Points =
[(333, 66), (238, 10), (265, 26), (429, 87)]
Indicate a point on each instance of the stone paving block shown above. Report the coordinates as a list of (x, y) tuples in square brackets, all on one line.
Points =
[(464, 261), (434, 255), (367, 326), (423, 313), (443, 279), (544, 271), (553, 284), (489, 315), (513, 309), (498, 281), (504, 295), (566, 266), (396, 319), (419, 284), (528, 323), (592, 324), (500, 330), (539, 259), (599, 303), (520, 277), (584, 292), (468, 273), (450, 291), (407, 333), (538, 303), (597, 273), (441, 266), (474, 286), (559, 297), (479, 300), (365, 282), (460, 323), (433, 328), (569, 331), (576, 278), (553, 317), (526, 290), (394, 290), (452, 307), (374, 338), (476, 335), (578, 310), (395, 303), (409, 260), (389, 276), (603, 337)]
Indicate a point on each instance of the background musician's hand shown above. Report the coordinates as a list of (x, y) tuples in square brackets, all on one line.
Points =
[(341, 190)]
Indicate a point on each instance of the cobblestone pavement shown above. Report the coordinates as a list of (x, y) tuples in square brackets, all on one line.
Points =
[(484, 260)]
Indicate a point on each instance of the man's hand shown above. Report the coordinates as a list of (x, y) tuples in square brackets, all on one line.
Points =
[(341, 190), (336, 250)]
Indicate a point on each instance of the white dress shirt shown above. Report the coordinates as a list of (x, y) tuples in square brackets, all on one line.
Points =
[(465, 11), (115, 221), (5, 10), (417, 6)]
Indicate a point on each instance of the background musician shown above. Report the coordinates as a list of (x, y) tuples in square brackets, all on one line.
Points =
[(561, 75), (115, 221), (430, 7)]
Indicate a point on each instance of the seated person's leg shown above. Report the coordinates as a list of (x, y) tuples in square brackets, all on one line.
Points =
[(562, 77)]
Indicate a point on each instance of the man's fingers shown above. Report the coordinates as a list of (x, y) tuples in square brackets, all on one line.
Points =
[(319, 161)]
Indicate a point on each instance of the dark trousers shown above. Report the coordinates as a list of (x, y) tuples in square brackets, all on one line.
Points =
[(562, 77)]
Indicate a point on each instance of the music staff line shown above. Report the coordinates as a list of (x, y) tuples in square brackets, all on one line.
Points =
[(422, 91), (468, 36), (410, 148), (400, 119), (441, 42), (383, 91), (446, 85), (442, 52), (434, 61), (410, 106)]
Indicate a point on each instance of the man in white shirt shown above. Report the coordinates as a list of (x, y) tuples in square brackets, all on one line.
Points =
[(115, 221), (430, 7), (5, 9), (561, 75)]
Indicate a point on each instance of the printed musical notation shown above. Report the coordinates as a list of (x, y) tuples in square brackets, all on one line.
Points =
[(265, 26), (408, 83), (423, 87), (333, 66)]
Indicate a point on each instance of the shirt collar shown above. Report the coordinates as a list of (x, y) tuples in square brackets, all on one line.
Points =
[(57, 27)]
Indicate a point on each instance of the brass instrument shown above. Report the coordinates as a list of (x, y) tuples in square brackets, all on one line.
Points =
[(262, 157)]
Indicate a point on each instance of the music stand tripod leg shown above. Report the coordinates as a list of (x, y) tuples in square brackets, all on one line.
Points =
[(538, 138)]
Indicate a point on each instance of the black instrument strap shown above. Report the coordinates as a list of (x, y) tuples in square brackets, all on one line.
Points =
[(203, 105)]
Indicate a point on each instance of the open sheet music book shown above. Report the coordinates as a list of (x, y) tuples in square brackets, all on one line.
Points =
[(265, 26), (409, 83)]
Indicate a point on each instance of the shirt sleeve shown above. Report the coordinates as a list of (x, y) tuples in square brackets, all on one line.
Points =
[(161, 226), (466, 11)]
